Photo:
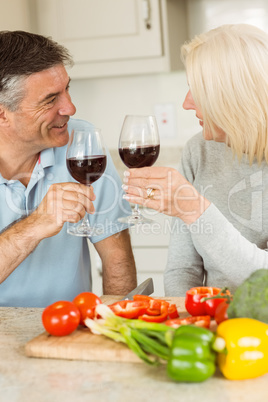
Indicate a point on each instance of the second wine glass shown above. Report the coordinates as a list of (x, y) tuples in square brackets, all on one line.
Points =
[(86, 162), (139, 146)]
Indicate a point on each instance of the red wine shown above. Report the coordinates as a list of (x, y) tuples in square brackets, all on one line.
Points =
[(88, 169), (139, 156)]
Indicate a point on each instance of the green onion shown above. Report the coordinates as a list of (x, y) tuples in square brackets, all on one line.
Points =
[(148, 340)]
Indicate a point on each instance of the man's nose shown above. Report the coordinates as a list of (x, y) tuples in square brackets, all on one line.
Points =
[(67, 107)]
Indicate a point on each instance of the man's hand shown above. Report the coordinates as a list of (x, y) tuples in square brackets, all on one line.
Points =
[(64, 202)]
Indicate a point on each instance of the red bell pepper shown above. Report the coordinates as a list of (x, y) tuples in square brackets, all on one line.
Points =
[(145, 308), (194, 304), (153, 304), (199, 321), (129, 308), (142, 298), (172, 311), (162, 316)]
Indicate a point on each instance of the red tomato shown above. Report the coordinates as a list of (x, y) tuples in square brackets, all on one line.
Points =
[(199, 321), (86, 303), (193, 303), (61, 318), (221, 313)]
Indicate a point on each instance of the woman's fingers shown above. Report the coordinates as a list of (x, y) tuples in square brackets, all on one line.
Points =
[(161, 178), (153, 172), (162, 189), (155, 204), (146, 193)]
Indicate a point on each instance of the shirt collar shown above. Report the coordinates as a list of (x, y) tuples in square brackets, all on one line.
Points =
[(47, 158)]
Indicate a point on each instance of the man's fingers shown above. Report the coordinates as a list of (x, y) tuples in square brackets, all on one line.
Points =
[(77, 201), (88, 191)]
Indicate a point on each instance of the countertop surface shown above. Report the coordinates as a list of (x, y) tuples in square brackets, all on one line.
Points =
[(36, 380)]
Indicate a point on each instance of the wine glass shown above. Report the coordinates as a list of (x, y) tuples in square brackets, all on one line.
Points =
[(86, 162), (139, 146)]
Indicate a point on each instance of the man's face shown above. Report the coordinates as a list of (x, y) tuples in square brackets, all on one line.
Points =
[(41, 119)]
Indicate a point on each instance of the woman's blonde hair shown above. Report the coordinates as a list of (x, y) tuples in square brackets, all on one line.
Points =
[(227, 71)]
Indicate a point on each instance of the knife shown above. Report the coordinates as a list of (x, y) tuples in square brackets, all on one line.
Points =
[(145, 288)]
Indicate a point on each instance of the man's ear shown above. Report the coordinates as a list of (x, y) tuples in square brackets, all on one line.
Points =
[(4, 119)]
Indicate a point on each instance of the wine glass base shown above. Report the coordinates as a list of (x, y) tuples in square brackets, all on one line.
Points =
[(135, 220), (84, 231)]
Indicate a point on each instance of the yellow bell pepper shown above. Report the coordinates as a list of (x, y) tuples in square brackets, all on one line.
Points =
[(246, 347)]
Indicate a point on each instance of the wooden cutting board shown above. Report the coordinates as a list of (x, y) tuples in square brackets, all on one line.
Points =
[(83, 345)]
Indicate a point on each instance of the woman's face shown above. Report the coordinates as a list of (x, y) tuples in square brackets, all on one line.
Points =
[(189, 104)]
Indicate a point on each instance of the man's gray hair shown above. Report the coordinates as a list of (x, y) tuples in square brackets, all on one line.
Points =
[(22, 54)]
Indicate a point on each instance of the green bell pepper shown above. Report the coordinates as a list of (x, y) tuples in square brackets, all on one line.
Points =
[(191, 356)]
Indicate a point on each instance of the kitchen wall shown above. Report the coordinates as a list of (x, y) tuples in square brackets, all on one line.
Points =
[(15, 14)]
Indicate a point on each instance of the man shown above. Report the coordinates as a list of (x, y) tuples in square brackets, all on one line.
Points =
[(39, 262)]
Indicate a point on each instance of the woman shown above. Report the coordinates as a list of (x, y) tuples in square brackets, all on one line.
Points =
[(219, 199)]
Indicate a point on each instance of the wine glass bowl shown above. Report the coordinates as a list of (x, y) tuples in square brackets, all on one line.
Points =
[(86, 162), (87, 169), (140, 155), (139, 146)]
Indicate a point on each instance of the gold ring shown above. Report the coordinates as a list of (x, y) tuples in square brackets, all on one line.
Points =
[(150, 193)]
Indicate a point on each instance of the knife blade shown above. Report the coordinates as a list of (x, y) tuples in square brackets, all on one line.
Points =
[(145, 288)]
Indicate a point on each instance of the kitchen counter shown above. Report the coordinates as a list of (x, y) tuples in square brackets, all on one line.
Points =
[(36, 380)]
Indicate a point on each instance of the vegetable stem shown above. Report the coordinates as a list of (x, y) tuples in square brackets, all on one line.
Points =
[(135, 347), (96, 328), (221, 295), (219, 345), (151, 345)]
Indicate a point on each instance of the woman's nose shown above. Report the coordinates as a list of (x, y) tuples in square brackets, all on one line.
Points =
[(188, 103)]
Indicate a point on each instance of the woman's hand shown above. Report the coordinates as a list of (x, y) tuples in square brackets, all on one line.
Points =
[(172, 194)]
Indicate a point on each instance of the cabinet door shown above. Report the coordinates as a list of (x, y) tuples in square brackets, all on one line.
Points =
[(151, 263), (115, 37), (15, 15), (102, 30)]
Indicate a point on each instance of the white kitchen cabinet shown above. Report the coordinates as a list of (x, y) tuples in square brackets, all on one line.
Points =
[(116, 37), (16, 15), (150, 249)]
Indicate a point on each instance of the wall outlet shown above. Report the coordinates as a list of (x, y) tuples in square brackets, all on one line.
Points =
[(165, 114)]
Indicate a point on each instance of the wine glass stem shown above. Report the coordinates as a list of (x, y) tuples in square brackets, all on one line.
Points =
[(85, 222), (136, 211)]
